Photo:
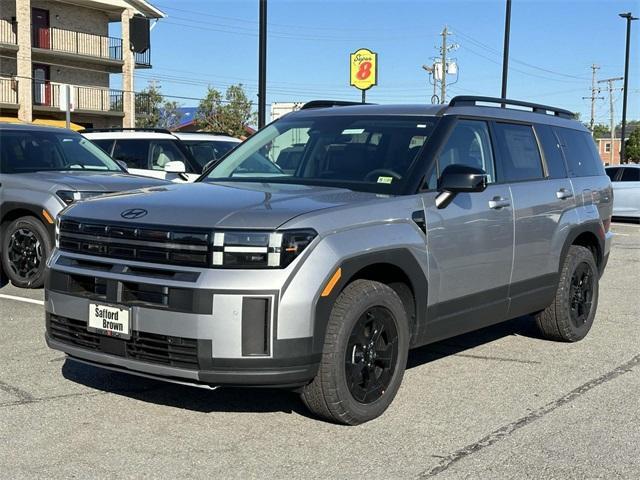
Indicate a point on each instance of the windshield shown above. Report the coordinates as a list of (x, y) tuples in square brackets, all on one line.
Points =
[(370, 153), (33, 151), (206, 150)]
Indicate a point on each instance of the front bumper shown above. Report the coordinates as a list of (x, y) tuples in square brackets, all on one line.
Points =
[(265, 376), (185, 328)]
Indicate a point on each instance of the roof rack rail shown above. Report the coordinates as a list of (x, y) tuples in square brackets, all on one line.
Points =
[(330, 103), (122, 129), (470, 100), (204, 133)]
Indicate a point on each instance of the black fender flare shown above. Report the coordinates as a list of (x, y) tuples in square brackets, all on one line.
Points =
[(401, 258), (593, 227), (35, 210)]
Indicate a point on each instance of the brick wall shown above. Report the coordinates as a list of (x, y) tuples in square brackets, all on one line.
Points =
[(605, 153)]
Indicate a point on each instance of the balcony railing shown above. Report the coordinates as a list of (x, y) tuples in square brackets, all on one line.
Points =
[(95, 99), (8, 32), (143, 60), (79, 43), (8, 90)]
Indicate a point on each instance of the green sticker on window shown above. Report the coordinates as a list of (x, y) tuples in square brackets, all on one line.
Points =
[(386, 180)]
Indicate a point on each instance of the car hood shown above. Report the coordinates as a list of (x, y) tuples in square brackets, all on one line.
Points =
[(94, 181), (211, 205)]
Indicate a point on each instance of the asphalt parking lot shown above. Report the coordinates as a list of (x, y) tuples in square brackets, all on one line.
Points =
[(498, 403)]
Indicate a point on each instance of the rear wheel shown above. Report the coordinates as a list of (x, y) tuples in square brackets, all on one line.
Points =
[(364, 357), (570, 317), (25, 248)]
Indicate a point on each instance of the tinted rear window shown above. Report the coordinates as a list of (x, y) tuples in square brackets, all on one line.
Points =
[(612, 172), (520, 156), (630, 175), (552, 154), (580, 153)]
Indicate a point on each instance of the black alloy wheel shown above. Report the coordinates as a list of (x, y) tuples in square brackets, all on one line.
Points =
[(372, 355), (25, 253), (581, 294)]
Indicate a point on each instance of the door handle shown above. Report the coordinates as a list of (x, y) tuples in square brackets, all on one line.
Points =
[(498, 202), (563, 194)]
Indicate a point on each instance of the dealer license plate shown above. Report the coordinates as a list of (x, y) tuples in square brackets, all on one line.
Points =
[(109, 320)]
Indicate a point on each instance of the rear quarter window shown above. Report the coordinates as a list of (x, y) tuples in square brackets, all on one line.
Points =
[(580, 153), (556, 167), (630, 175)]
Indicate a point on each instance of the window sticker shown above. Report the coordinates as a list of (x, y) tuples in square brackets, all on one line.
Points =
[(353, 131), (386, 180)]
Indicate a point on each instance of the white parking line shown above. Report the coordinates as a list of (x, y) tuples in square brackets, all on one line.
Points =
[(22, 299)]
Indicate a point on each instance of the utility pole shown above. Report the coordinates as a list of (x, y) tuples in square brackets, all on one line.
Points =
[(612, 120), (594, 96), (505, 51), (443, 66), (262, 65), (625, 89)]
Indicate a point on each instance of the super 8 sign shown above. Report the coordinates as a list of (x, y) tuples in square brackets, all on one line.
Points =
[(363, 67)]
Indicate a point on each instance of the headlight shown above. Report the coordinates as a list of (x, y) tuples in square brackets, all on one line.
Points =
[(238, 249), (70, 196)]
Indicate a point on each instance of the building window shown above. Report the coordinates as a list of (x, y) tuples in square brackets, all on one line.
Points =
[(607, 148)]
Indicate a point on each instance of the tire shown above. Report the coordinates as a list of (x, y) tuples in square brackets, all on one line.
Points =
[(26, 234), (362, 365), (570, 316)]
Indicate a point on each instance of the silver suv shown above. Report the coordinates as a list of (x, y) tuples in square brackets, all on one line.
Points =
[(42, 170), (374, 229)]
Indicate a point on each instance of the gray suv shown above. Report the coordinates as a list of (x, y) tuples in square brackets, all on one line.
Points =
[(42, 170), (391, 227)]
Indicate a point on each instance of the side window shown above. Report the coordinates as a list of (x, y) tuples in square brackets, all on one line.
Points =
[(163, 152), (552, 153), (520, 157), (132, 152), (612, 172), (468, 144), (580, 153), (630, 175), (104, 143)]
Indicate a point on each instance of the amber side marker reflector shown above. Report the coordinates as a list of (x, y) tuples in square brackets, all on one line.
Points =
[(47, 216), (331, 283)]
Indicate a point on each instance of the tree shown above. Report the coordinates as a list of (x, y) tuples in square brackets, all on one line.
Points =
[(601, 131), (153, 111), (632, 147), (229, 116)]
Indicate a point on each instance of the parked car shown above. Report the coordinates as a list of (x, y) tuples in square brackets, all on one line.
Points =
[(42, 171), (400, 226), (151, 152), (626, 191), (207, 147)]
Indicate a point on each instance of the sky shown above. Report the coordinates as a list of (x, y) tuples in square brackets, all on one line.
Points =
[(553, 45)]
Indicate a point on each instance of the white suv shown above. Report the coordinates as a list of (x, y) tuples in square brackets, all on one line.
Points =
[(149, 152)]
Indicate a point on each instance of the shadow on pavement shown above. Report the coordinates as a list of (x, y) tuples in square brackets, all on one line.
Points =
[(256, 400)]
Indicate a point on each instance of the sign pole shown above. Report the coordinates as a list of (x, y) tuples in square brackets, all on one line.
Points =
[(67, 88), (364, 96)]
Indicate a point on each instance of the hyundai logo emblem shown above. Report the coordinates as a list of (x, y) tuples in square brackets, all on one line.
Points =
[(134, 213)]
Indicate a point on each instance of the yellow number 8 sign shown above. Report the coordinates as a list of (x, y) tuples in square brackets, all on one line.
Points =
[(363, 67)]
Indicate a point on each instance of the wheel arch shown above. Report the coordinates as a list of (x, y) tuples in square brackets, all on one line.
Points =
[(13, 210), (589, 235), (397, 268)]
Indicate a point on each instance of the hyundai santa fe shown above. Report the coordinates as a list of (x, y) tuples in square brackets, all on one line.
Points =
[(323, 248)]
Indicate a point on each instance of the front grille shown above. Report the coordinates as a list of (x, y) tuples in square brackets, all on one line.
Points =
[(145, 244), (145, 347)]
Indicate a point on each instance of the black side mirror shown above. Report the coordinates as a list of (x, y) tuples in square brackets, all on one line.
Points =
[(457, 179)]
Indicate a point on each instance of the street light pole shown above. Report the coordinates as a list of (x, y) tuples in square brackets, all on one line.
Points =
[(505, 51), (262, 66), (625, 88)]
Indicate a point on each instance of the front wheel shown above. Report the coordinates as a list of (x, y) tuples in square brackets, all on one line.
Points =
[(570, 317), (25, 248), (364, 357)]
